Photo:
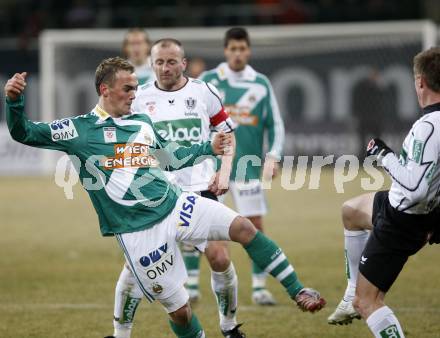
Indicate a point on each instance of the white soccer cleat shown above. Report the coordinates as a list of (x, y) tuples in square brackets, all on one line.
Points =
[(263, 297), (343, 314), (309, 300)]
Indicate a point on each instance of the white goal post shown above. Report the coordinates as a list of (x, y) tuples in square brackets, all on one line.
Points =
[(313, 69)]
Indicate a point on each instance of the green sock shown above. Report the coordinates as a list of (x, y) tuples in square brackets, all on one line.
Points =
[(192, 330), (191, 259), (269, 257)]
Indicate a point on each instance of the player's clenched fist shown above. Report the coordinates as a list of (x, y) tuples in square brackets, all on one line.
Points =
[(377, 147), (15, 86), (222, 143)]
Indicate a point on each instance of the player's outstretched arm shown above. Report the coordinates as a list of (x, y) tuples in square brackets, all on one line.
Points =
[(31, 133), (174, 157), (15, 119), (415, 175)]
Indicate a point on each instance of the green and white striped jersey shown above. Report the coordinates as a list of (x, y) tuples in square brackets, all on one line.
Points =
[(119, 162), (249, 99)]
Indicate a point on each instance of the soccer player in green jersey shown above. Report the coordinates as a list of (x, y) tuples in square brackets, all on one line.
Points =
[(249, 99), (136, 49), (120, 157), (184, 110)]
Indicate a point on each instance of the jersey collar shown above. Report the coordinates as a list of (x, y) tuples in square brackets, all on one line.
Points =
[(247, 74), (431, 108), (174, 90), (101, 113)]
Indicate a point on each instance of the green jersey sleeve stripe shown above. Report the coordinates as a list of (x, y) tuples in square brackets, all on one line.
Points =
[(278, 125)]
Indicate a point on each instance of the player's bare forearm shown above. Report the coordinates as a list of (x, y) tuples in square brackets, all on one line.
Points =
[(221, 183), (271, 168), (222, 143)]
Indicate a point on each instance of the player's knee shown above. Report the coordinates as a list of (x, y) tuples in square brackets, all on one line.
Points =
[(242, 230), (218, 258), (257, 221), (181, 316)]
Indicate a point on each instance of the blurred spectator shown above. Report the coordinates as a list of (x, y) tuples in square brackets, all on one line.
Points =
[(196, 66), (80, 15), (15, 15), (136, 49), (369, 109)]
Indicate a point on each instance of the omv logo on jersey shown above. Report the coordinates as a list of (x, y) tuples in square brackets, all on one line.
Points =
[(62, 130), (157, 262), (187, 208)]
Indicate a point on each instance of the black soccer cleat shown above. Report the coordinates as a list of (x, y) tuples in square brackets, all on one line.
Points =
[(109, 337), (234, 333)]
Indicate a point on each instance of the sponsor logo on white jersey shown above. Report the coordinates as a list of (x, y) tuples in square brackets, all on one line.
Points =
[(185, 132)]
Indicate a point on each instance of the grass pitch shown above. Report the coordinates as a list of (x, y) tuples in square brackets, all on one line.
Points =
[(58, 274)]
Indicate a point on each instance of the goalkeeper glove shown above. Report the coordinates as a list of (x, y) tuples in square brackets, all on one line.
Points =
[(377, 147)]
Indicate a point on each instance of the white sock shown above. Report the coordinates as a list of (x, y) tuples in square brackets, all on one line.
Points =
[(225, 287), (355, 242), (127, 298), (259, 281), (384, 324)]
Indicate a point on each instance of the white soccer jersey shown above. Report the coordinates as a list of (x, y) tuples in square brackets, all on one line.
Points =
[(416, 174), (185, 116)]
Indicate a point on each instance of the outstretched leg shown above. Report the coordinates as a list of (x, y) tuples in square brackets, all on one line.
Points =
[(270, 258), (357, 221)]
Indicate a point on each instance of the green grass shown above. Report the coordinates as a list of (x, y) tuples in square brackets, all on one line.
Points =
[(58, 274)]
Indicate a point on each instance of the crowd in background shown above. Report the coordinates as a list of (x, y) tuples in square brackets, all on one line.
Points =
[(26, 18)]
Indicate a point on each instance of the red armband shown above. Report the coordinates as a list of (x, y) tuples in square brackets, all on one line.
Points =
[(218, 118)]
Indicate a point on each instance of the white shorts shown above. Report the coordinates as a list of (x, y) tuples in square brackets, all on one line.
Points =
[(249, 198), (153, 254)]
